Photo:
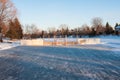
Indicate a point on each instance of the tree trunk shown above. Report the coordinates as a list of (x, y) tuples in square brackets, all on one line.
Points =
[(1, 37)]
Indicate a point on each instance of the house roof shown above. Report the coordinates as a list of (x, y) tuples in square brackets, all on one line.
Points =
[(117, 27)]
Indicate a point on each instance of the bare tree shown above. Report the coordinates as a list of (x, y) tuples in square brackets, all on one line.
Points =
[(52, 31), (98, 26), (30, 30), (96, 21), (7, 12), (85, 29), (64, 29)]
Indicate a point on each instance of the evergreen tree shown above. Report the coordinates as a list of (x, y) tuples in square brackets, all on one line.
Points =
[(19, 32), (108, 29), (10, 32), (15, 30), (93, 32), (116, 25)]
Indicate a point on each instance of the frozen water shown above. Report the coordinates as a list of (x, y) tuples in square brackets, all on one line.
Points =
[(60, 63), (79, 62)]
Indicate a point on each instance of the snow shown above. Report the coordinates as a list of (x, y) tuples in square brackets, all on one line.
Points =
[(111, 41), (8, 45)]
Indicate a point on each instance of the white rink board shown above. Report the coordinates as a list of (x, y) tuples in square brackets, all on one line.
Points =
[(40, 42), (84, 41), (33, 42)]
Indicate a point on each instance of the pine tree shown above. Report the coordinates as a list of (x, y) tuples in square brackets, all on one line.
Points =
[(10, 32), (15, 30), (19, 32), (116, 25), (108, 29)]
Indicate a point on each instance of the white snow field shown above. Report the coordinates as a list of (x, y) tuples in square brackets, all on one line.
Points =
[(8, 45), (79, 62), (113, 41)]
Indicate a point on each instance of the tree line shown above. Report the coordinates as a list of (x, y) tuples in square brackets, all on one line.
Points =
[(97, 28)]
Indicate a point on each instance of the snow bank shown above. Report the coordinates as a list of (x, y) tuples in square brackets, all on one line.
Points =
[(5, 45)]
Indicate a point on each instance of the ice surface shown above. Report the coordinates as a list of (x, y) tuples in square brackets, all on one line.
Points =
[(60, 63), (79, 62)]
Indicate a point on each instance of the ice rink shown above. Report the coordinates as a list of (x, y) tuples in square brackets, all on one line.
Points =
[(86, 62)]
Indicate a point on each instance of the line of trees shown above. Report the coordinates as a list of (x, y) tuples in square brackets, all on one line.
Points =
[(97, 28)]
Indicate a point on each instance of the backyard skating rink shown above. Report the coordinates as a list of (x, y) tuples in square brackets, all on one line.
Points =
[(86, 62)]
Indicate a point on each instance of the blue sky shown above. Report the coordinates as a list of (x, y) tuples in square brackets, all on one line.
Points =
[(74, 13)]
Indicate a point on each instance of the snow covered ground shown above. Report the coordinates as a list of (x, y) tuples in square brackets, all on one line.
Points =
[(8, 45), (113, 41)]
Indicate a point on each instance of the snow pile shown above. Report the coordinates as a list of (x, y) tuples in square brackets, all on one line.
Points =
[(5, 45)]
